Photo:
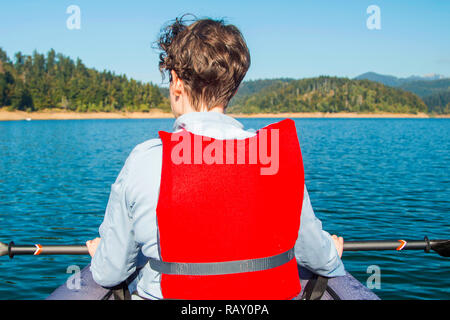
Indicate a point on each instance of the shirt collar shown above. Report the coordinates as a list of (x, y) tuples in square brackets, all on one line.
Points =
[(214, 118)]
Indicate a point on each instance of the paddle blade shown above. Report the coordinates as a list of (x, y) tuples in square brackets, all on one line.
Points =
[(442, 248), (3, 249)]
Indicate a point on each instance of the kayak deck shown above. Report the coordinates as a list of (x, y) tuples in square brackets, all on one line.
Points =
[(345, 288)]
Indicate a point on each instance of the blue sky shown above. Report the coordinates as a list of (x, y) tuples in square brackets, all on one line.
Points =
[(295, 39)]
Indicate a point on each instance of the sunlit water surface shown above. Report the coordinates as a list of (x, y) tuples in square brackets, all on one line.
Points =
[(367, 179)]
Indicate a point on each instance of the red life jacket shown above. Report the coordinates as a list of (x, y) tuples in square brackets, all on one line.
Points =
[(220, 212)]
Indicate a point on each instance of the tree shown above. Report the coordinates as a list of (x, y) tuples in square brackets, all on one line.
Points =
[(22, 99)]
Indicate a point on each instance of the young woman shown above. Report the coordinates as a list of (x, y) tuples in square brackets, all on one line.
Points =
[(211, 210)]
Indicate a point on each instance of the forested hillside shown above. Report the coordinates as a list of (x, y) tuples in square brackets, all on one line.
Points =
[(433, 89), (426, 88), (54, 81), (251, 87), (329, 94), (438, 102)]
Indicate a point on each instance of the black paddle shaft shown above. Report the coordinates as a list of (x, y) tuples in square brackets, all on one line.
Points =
[(37, 249), (384, 245), (442, 247)]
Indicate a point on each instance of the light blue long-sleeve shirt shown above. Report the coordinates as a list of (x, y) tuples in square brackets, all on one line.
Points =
[(129, 229)]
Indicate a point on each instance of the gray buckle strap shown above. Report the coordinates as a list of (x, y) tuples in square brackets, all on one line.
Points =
[(218, 268)]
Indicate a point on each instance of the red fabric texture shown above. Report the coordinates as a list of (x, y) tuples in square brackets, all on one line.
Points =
[(225, 212)]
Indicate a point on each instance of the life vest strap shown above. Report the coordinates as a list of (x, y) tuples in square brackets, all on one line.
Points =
[(220, 268)]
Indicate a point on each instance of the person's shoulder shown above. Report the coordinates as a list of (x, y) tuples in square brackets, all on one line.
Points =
[(145, 153), (146, 149), (147, 146), (143, 162)]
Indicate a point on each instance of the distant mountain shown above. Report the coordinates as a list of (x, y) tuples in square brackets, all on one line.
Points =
[(393, 81), (429, 77), (384, 79)]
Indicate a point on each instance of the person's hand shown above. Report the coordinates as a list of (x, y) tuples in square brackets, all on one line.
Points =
[(339, 243), (92, 245)]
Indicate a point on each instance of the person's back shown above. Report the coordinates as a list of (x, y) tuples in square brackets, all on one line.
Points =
[(214, 209), (228, 220)]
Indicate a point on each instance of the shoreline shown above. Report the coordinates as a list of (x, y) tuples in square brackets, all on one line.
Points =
[(156, 114)]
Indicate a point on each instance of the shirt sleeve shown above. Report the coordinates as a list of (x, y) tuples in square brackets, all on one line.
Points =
[(116, 256), (315, 249)]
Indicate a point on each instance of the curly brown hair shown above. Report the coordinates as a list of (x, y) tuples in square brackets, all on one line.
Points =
[(210, 57)]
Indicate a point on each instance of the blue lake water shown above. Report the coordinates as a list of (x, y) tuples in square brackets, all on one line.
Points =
[(367, 179)]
